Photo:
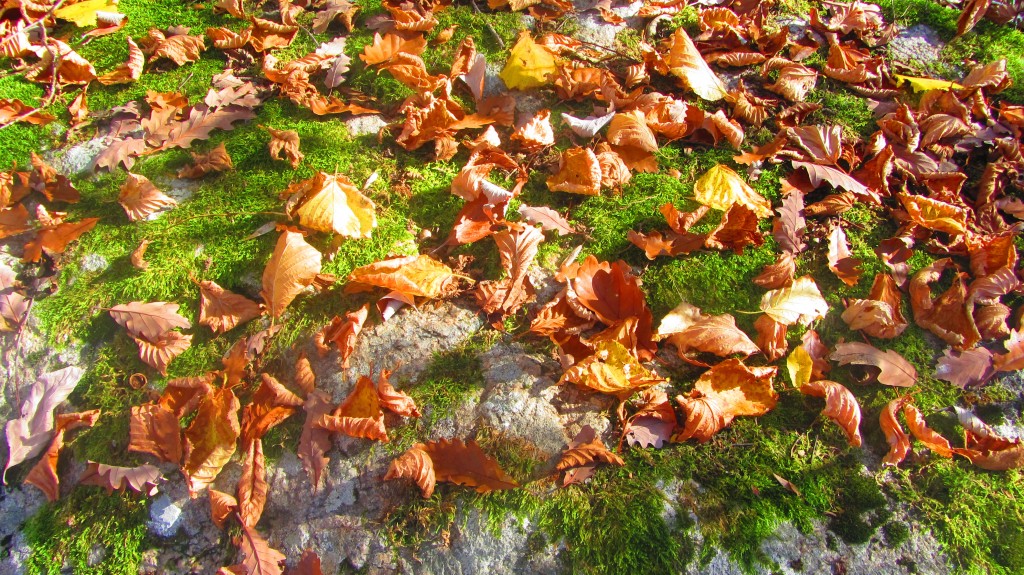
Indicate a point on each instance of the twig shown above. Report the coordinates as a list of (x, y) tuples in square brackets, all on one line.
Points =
[(497, 37)]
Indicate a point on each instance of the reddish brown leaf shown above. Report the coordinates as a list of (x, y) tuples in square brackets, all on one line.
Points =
[(359, 415), (286, 142), (54, 240), (587, 448), (292, 267), (222, 506), (419, 275), (899, 441), (687, 328), (893, 369), (149, 320), (986, 448), (222, 310), (159, 353), (393, 400), (315, 441), (210, 439), (44, 474), (142, 479), (252, 486), (727, 390), (970, 368), (840, 258), (271, 404), (29, 434), (880, 315), (466, 464), (923, 433), (140, 198), (417, 465), (840, 405), (258, 557), (154, 429), (216, 160)]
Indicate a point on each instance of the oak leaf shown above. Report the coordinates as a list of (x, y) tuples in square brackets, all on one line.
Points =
[(142, 479), (210, 439), (419, 275), (727, 390), (222, 310), (28, 435), (721, 188), (587, 448), (800, 303), (292, 267), (141, 199), (893, 369), (840, 405)]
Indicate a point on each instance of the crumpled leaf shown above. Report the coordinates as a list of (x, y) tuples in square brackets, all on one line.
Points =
[(343, 333), (216, 160), (393, 400), (222, 506), (414, 464), (154, 429), (453, 461), (285, 142), (881, 314), (721, 188), (611, 369), (517, 249), (685, 62), (687, 328), (587, 448), (653, 424), (210, 439), (271, 404), (986, 448), (899, 441), (359, 415), (893, 369), (530, 65), (840, 405), (142, 479), (578, 173), (222, 310), (32, 430), (292, 267), (128, 72), (725, 391), (934, 214), (917, 426), (332, 203), (800, 303), (44, 474), (420, 275), (946, 316), (140, 198)]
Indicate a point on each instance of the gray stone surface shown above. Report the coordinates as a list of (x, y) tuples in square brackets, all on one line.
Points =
[(365, 124), (164, 517), (917, 48), (78, 158)]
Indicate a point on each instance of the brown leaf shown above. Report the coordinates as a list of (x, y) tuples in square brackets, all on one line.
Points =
[(771, 337), (54, 240), (578, 173), (44, 474), (1013, 359), (11, 110), (222, 506), (934, 214), (128, 72), (970, 368), (138, 257), (685, 62), (181, 49), (687, 328), (210, 439), (14, 221), (536, 134), (788, 228), (549, 219), (216, 160), (393, 400), (140, 198), (653, 424), (384, 48), (630, 130), (359, 415), (252, 485), (587, 448), (880, 315), (923, 433), (794, 80), (286, 142), (154, 429), (611, 369), (417, 465), (159, 353), (986, 448), (840, 258), (778, 274), (973, 11), (292, 267), (835, 177), (342, 333), (832, 205), (149, 320), (28, 435), (13, 304), (419, 275), (142, 479), (258, 557), (840, 405), (893, 369), (271, 404), (517, 249), (727, 390), (315, 441), (612, 292), (466, 464), (222, 310), (309, 563), (899, 441), (946, 316)]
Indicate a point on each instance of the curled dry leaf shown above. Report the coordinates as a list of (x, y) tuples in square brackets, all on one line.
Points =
[(222, 506), (140, 198), (154, 429), (292, 267), (216, 160), (935, 214), (587, 448), (393, 400), (653, 424), (947, 316), (893, 369), (181, 49), (44, 474), (252, 485), (799, 303), (210, 439), (466, 464), (986, 448), (258, 557), (315, 441), (687, 328), (899, 441), (578, 173), (771, 337), (332, 203), (840, 405), (159, 353), (727, 390), (359, 415), (840, 258), (128, 72), (881, 314), (285, 142), (611, 369), (138, 257), (342, 333), (926, 435), (142, 479), (32, 430), (271, 404), (420, 275), (222, 310), (414, 464)]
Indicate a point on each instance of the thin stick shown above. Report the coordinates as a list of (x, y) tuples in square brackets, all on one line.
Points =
[(497, 37)]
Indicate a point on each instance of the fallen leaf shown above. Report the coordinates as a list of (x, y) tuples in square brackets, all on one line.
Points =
[(530, 65), (420, 275), (881, 315), (414, 464), (140, 198), (149, 320), (548, 219), (654, 423), (893, 369), (216, 160), (800, 366), (44, 473), (926, 84), (611, 369), (586, 448), (55, 239), (799, 303), (923, 433), (466, 464), (83, 14), (222, 310), (934, 214), (578, 173), (393, 400), (222, 506), (154, 429), (727, 390), (787, 484), (685, 62), (342, 333), (142, 479), (286, 142), (899, 441), (29, 434), (840, 259), (359, 415), (964, 369), (159, 353), (840, 405), (721, 188), (252, 485), (986, 448), (309, 563), (210, 439), (181, 49), (128, 72), (315, 441), (258, 557), (687, 328), (292, 267)]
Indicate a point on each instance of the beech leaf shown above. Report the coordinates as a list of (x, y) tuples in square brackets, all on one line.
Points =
[(222, 310), (149, 320), (893, 369), (28, 435), (799, 303), (721, 187), (292, 267), (210, 439), (840, 405)]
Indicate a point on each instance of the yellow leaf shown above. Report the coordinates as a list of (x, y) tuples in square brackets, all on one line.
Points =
[(83, 14), (800, 365), (420, 275), (686, 63), (721, 187), (611, 370), (925, 84), (799, 303), (529, 65), (935, 215), (332, 203)]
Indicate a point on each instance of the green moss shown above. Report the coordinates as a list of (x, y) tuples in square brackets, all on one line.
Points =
[(844, 108), (66, 532)]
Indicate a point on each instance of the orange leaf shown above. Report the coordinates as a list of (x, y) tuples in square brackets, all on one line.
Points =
[(128, 72), (252, 485), (44, 474), (315, 441), (419, 275), (154, 429), (222, 506), (159, 353), (923, 433), (271, 404), (687, 328), (222, 310), (417, 465), (893, 369), (727, 390), (578, 173), (140, 198), (393, 400), (286, 142), (342, 333), (466, 464), (840, 405), (216, 160), (359, 415), (258, 557), (210, 439), (149, 320), (899, 441), (292, 267), (587, 448)]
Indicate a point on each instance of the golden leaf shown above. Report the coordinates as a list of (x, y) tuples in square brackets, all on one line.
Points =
[(685, 62), (721, 187), (210, 439), (332, 203), (529, 65)]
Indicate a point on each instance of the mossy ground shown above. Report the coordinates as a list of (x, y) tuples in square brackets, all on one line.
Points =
[(633, 519)]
